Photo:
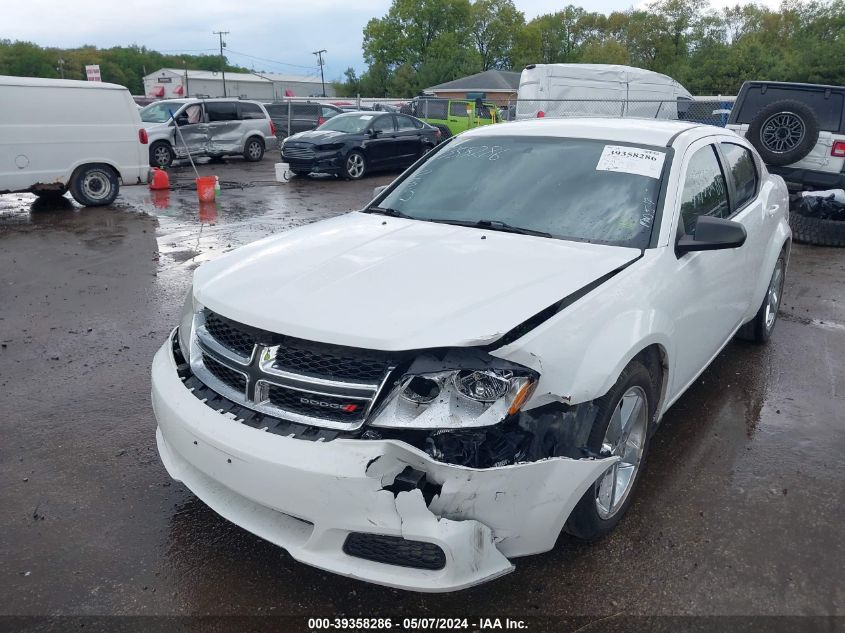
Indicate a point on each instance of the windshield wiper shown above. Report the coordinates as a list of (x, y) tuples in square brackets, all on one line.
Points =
[(393, 213), (493, 225)]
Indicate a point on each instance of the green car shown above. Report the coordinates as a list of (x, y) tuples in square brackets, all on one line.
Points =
[(453, 116)]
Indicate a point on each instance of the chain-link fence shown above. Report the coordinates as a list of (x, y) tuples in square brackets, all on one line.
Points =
[(710, 111)]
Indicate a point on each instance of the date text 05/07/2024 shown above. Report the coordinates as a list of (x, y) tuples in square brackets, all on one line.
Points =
[(417, 624)]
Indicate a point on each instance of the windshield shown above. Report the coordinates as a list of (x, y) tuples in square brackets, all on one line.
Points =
[(159, 112), (351, 123), (573, 189)]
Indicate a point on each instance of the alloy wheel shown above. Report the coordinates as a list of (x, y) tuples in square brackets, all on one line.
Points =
[(625, 438), (161, 156), (773, 295), (355, 166), (782, 132)]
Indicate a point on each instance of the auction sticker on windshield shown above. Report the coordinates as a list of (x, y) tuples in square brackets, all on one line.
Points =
[(631, 160)]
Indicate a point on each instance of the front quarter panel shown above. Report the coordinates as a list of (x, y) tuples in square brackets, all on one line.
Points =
[(581, 351)]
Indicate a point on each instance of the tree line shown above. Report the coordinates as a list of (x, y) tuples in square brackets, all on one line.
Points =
[(422, 43), (124, 65)]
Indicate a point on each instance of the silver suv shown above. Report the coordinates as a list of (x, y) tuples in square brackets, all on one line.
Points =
[(798, 129), (207, 127)]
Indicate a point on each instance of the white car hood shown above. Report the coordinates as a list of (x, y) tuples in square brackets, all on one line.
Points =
[(377, 282)]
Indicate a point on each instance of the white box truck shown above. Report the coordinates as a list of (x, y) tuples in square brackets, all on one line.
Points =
[(61, 135), (564, 90)]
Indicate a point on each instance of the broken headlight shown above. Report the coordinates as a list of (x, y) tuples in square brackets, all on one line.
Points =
[(460, 398)]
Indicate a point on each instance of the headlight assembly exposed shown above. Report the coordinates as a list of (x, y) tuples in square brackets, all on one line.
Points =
[(453, 399)]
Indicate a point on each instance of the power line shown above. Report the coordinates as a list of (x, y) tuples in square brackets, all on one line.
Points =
[(274, 61)]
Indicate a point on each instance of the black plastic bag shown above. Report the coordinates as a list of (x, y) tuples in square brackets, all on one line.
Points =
[(821, 208)]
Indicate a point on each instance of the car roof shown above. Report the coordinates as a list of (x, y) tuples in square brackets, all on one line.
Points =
[(793, 84), (627, 130)]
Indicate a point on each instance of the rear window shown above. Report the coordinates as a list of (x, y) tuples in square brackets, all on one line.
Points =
[(276, 109), (251, 111), (828, 108)]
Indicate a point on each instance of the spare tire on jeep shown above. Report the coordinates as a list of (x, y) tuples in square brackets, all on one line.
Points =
[(784, 132)]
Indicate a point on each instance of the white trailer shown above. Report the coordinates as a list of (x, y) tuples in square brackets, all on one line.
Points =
[(564, 90)]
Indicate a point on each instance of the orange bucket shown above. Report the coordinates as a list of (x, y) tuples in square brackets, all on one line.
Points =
[(205, 188)]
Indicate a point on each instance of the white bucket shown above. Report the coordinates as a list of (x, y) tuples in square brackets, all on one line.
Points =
[(282, 172)]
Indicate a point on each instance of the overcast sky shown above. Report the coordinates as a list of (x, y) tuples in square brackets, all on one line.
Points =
[(271, 35)]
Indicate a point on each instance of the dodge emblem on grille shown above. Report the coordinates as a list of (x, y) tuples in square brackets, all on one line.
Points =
[(350, 408)]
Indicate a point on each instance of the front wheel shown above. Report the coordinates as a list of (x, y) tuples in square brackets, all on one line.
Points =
[(622, 429), (759, 329), (355, 166), (254, 150), (94, 185)]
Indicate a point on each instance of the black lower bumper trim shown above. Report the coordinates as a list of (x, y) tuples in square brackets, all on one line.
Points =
[(395, 550)]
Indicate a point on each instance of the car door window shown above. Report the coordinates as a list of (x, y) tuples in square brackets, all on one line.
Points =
[(743, 173), (458, 109), (405, 123), (328, 113), (251, 111), (705, 191), (221, 111), (384, 123)]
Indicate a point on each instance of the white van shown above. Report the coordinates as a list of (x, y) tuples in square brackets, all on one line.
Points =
[(59, 135), (562, 90)]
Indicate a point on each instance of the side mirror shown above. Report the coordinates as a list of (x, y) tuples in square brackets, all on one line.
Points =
[(373, 132), (377, 191), (712, 234), (182, 119)]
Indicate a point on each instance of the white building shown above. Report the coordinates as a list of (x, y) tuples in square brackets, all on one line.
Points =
[(169, 83)]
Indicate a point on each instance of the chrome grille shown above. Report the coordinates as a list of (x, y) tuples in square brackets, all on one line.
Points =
[(298, 153), (301, 381)]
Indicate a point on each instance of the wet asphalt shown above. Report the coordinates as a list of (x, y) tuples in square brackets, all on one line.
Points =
[(739, 512)]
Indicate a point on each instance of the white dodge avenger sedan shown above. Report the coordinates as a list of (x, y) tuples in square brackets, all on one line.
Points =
[(415, 393)]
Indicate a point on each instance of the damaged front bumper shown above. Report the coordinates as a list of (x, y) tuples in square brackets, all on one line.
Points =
[(456, 529)]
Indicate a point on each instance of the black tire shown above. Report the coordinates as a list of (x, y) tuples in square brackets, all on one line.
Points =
[(425, 148), (254, 150), (94, 185), (585, 522), (784, 132), (359, 170), (444, 131), (161, 155), (758, 329), (816, 231)]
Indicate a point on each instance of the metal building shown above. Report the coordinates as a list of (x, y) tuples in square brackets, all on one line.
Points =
[(169, 83)]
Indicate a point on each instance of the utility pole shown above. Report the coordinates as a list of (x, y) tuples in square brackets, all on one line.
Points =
[(222, 60), (61, 67), (319, 55)]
